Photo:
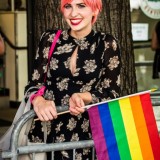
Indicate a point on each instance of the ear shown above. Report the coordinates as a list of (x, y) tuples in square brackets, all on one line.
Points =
[(96, 12)]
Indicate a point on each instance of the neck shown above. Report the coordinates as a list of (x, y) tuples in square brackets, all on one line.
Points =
[(80, 34)]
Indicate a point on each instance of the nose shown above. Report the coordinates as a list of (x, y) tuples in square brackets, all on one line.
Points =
[(74, 12)]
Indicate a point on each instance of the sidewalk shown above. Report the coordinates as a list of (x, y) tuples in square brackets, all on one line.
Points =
[(6, 116)]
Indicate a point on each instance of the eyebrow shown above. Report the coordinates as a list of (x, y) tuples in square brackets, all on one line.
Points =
[(76, 4), (81, 3)]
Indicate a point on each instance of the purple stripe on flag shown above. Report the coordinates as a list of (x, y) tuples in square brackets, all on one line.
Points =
[(108, 131), (96, 127)]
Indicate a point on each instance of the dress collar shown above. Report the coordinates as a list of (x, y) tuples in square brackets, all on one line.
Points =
[(89, 37)]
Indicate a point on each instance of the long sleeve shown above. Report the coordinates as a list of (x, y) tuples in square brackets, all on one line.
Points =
[(109, 79), (40, 63)]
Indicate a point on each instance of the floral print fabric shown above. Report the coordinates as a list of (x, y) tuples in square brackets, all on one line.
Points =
[(97, 71)]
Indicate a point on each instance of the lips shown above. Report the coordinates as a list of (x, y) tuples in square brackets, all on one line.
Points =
[(75, 21)]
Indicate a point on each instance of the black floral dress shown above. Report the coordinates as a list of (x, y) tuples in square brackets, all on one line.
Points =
[(97, 71)]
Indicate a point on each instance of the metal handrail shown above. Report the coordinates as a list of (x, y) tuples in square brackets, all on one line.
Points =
[(141, 46), (144, 41), (144, 63), (156, 94), (10, 43), (6, 39), (18, 150)]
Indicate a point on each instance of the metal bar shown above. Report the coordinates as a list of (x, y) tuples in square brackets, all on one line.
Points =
[(144, 63), (49, 147), (37, 148), (30, 35), (52, 155), (156, 103), (19, 150), (18, 126), (12, 6), (149, 40), (10, 43), (93, 153), (142, 46), (33, 156), (155, 98), (74, 154), (156, 93)]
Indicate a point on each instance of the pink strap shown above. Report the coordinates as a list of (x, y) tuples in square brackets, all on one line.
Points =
[(52, 49), (53, 44), (40, 92)]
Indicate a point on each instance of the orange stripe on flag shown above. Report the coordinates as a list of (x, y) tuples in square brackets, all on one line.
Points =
[(141, 127)]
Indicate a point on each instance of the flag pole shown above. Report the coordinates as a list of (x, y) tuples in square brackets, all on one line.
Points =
[(134, 94), (111, 100)]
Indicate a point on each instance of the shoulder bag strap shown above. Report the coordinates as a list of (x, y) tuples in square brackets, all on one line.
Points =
[(52, 49), (42, 89)]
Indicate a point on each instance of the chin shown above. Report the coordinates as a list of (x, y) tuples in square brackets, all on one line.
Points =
[(76, 29)]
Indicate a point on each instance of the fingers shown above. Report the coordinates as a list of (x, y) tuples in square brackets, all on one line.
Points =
[(53, 110), (76, 111), (46, 110), (75, 105)]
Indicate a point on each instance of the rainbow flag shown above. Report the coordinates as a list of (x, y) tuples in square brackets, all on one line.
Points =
[(125, 129)]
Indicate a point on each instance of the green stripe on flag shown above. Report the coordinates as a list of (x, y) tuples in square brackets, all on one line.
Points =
[(119, 130)]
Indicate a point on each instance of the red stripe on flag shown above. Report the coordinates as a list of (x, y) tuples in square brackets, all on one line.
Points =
[(141, 127), (151, 124)]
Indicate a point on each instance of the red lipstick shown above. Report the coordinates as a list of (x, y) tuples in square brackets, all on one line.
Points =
[(75, 21)]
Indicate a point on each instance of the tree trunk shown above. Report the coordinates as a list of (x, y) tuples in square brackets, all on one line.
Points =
[(114, 19)]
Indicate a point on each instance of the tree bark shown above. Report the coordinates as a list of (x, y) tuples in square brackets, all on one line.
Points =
[(115, 19)]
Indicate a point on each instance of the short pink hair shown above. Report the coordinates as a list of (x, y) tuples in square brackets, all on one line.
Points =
[(96, 6)]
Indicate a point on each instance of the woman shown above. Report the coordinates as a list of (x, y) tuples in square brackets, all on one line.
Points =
[(84, 69), (155, 45)]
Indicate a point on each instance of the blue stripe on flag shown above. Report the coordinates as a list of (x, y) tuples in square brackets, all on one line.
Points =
[(108, 131)]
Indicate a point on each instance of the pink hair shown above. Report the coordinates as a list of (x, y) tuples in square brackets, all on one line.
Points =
[(96, 6)]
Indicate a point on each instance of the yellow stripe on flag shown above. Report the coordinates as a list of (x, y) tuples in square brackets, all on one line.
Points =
[(130, 129), (141, 128)]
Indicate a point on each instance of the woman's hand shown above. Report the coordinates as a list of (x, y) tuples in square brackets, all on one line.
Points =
[(75, 104), (45, 109)]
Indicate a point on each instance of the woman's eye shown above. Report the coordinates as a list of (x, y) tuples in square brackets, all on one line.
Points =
[(81, 5), (67, 6)]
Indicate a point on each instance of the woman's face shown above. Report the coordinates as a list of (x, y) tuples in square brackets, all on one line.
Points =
[(78, 15)]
